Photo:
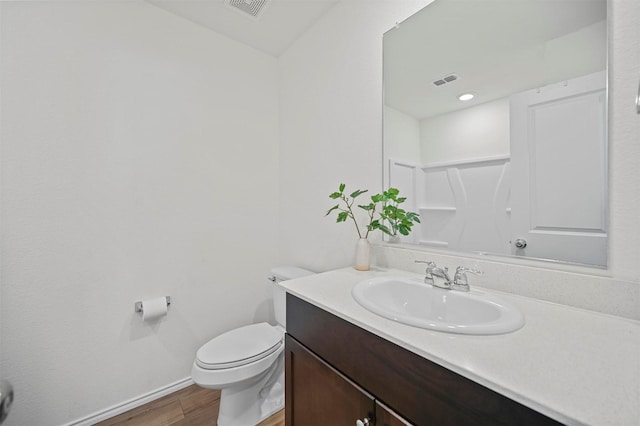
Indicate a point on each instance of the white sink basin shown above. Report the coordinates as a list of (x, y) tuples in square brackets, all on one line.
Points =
[(410, 301)]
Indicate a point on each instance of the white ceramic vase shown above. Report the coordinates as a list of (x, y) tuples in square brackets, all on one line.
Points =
[(363, 254)]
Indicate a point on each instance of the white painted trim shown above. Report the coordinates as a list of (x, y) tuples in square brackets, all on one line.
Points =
[(132, 403), (403, 163), (437, 208), (467, 162)]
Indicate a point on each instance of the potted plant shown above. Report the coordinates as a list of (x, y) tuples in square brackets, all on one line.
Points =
[(398, 219), (386, 204), (345, 212)]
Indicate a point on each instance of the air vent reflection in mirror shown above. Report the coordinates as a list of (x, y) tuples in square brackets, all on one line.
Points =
[(446, 79)]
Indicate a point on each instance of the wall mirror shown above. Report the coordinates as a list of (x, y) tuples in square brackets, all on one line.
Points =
[(520, 168)]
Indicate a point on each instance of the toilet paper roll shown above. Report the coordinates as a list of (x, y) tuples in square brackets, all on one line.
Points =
[(154, 308)]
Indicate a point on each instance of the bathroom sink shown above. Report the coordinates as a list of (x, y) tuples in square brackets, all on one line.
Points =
[(409, 300)]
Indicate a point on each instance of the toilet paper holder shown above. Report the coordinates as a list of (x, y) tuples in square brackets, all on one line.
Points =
[(138, 305)]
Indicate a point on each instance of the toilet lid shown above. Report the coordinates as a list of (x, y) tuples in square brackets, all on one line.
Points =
[(240, 346)]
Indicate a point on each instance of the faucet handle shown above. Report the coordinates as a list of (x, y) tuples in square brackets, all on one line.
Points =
[(460, 279), (461, 272), (428, 278)]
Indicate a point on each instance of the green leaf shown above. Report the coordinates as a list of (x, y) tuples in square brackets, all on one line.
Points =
[(401, 200), (332, 209), (335, 195), (354, 194), (413, 216), (404, 230), (342, 186), (393, 193), (391, 211), (385, 229), (377, 198), (367, 207), (342, 217)]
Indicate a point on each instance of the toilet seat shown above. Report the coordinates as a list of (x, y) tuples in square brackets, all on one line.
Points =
[(240, 346)]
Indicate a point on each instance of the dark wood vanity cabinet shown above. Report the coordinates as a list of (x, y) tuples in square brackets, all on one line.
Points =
[(337, 373)]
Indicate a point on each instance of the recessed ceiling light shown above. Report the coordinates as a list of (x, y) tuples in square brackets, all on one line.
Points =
[(466, 96)]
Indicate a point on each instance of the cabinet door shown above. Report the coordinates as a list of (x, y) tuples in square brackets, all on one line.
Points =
[(316, 394)]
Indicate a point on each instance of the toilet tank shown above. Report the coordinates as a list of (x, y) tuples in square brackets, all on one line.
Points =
[(283, 273)]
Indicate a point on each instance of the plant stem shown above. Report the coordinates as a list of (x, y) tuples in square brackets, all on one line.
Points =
[(346, 201), (371, 213)]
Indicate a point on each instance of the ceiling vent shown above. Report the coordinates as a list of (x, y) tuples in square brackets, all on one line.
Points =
[(446, 79), (253, 9)]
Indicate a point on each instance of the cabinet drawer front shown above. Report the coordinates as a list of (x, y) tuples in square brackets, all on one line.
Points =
[(421, 391)]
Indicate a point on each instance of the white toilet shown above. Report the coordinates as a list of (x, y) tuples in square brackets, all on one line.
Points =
[(247, 363)]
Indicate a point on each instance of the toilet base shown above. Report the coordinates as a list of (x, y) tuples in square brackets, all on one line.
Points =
[(253, 401)]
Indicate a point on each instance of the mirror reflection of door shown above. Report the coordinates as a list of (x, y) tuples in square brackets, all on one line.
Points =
[(558, 170)]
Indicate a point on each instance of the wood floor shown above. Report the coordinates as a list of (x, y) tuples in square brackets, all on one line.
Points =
[(191, 406)]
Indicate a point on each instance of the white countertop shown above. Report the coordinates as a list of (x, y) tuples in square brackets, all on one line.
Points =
[(576, 366)]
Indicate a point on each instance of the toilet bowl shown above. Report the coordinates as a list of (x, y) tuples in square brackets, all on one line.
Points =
[(247, 363)]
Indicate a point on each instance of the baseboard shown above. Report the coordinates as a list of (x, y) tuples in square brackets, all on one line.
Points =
[(132, 403)]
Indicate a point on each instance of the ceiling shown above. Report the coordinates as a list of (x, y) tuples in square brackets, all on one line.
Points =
[(496, 48), (279, 24)]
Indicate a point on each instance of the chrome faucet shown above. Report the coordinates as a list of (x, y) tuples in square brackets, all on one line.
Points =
[(442, 273), (460, 281), (434, 271)]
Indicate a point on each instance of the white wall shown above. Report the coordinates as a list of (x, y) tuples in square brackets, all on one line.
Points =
[(331, 130), (138, 160), (476, 132), (402, 133), (624, 149), (331, 126)]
